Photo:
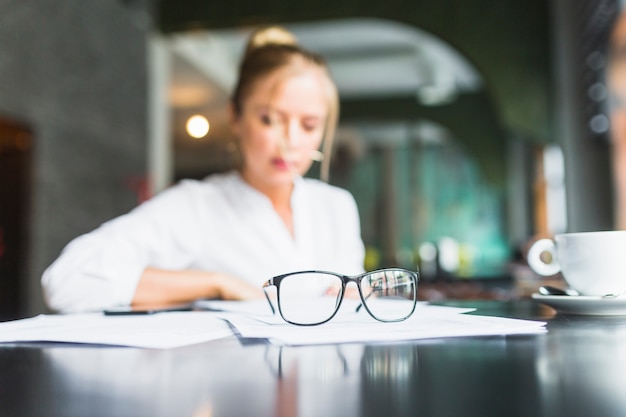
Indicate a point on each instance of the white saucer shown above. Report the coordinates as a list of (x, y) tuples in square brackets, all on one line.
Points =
[(584, 305)]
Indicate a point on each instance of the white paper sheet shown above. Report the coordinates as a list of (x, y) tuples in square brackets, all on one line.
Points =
[(427, 322), (252, 307), (157, 331)]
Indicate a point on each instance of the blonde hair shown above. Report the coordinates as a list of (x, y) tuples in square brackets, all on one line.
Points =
[(274, 35), (274, 48)]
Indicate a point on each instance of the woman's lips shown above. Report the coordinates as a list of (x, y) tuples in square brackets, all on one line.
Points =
[(281, 164)]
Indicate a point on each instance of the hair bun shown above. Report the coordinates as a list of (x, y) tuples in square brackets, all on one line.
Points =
[(273, 35)]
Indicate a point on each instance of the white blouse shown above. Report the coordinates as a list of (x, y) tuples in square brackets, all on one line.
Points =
[(219, 224)]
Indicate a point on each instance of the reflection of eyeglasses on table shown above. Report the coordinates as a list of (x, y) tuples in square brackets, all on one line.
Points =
[(308, 298)]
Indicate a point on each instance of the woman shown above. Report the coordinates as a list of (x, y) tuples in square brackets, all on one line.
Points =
[(224, 236)]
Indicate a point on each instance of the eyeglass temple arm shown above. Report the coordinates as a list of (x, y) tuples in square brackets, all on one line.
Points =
[(267, 297), (361, 304)]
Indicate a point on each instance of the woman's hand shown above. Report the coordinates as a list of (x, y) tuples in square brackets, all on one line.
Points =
[(158, 286), (235, 289)]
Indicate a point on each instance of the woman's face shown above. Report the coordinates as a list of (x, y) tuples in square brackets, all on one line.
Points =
[(280, 127)]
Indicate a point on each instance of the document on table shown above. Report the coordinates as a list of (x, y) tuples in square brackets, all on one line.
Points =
[(157, 331), (253, 319), (427, 322)]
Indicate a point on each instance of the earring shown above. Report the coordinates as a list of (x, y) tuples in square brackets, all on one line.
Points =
[(317, 156)]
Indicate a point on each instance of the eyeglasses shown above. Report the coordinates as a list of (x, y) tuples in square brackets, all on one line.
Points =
[(309, 298)]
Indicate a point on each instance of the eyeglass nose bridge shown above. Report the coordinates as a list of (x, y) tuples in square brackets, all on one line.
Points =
[(357, 281)]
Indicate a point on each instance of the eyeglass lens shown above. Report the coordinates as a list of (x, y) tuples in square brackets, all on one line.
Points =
[(312, 297), (381, 287), (309, 298)]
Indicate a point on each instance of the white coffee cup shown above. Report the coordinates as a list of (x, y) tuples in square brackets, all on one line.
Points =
[(592, 263)]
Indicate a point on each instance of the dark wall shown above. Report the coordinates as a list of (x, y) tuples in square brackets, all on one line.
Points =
[(74, 72)]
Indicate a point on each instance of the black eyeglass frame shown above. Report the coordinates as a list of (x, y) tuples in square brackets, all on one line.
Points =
[(345, 279)]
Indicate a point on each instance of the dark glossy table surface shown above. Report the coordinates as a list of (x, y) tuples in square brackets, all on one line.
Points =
[(578, 368)]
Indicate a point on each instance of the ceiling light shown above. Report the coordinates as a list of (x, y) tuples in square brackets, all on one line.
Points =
[(197, 126)]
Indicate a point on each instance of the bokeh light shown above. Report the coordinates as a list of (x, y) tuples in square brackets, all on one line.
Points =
[(197, 126)]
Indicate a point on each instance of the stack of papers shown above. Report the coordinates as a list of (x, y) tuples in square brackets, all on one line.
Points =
[(427, 322), (254, 320)]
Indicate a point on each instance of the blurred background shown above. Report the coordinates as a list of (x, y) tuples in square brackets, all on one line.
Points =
[(468, 127)]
